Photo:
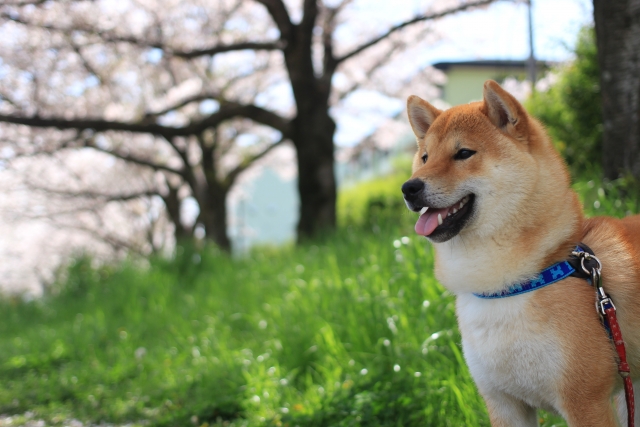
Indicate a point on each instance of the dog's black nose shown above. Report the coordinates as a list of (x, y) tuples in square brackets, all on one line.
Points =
[(412, 187)]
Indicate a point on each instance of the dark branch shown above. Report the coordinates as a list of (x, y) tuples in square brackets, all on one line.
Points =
[(96, 124), (115, 242), (136, 160), (90, 69), (231, 176), (309, 15), (182, 103), (21, 3), (7, 98), (221, 48), (421, 18), (395, 46), (280, 16), (227, 111), (328, 28), (24, 3), (110, 37), (103, 197), (184, 156)]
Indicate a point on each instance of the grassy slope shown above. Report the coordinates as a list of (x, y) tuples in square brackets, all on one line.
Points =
[(350, 331), (223, 338)]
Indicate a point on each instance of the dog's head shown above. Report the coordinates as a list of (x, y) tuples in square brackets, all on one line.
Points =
[(476, 166)]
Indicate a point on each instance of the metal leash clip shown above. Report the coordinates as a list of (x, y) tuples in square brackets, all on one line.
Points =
[(590, 267), (603, 301), (594, 269)]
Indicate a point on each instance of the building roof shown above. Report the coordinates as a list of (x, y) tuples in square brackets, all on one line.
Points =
[(488, 63)]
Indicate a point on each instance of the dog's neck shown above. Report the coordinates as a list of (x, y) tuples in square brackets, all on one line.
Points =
[(545, 232)]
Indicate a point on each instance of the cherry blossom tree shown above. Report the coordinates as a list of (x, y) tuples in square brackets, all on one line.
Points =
[(171, 85)]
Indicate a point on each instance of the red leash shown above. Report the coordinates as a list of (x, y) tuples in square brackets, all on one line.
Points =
[(623, 366), (607, 312)]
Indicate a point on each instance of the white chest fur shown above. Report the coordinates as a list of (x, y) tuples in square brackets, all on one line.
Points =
[(509, 353), (464, 266), (476, 263)]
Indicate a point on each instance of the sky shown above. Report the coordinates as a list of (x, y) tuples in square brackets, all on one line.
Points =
[(501, 31), (497, 32)]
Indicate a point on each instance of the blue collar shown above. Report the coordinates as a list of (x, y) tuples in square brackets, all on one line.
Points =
[(549, 275)]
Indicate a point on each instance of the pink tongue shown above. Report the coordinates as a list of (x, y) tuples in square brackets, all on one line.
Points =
[(429, 221)]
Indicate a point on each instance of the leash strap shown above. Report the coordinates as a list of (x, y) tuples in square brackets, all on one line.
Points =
[(591, 269), (623, 366)]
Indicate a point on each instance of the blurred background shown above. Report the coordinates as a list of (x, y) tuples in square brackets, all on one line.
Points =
[(138, 68), (200, 214)]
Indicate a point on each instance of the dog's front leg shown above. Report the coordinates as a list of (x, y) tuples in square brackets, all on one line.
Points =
[(598, 413), (507, 411)]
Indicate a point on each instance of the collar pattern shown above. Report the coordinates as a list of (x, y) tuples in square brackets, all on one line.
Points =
[(549, 275)]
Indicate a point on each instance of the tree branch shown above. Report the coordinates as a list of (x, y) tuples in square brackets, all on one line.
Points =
[(90, 69), (184, 102), (115, 242), (25, 3), (368, 73), (110, 37), (221, 48), (7, 98), (280, 16), (227, 111), (136, 160), (328, 28), (98, 125), (188, 171), (309, 15), (420, 18), (104, 197), (231, 176)]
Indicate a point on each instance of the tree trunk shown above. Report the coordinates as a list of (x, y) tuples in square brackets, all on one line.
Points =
[(313, 139), (172, 204), (618, 39), (213, 214), (313, 130)]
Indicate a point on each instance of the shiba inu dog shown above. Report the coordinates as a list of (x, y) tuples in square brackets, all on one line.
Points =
[(494, 197)]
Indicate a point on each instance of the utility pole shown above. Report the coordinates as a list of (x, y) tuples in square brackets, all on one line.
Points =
[(531, 62)]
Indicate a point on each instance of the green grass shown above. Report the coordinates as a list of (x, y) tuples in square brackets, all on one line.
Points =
[(352, 330)]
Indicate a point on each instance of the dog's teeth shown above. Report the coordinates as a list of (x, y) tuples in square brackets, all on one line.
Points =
[(439, 219), (454, 210), (423, 210)]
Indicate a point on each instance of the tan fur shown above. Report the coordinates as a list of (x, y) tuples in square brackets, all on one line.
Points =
[(547, 348)]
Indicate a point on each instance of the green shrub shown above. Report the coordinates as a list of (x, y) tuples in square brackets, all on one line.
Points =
[(571, 109), (377, 202), (618, 198)]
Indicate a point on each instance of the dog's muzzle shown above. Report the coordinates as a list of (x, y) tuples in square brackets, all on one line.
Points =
[(412, 189)]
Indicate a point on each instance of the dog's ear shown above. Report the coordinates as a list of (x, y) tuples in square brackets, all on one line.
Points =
[(421, 115), (504, 111)]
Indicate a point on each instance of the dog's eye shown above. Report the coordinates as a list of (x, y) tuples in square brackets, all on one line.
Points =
[(424, 158), (464, 154)]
